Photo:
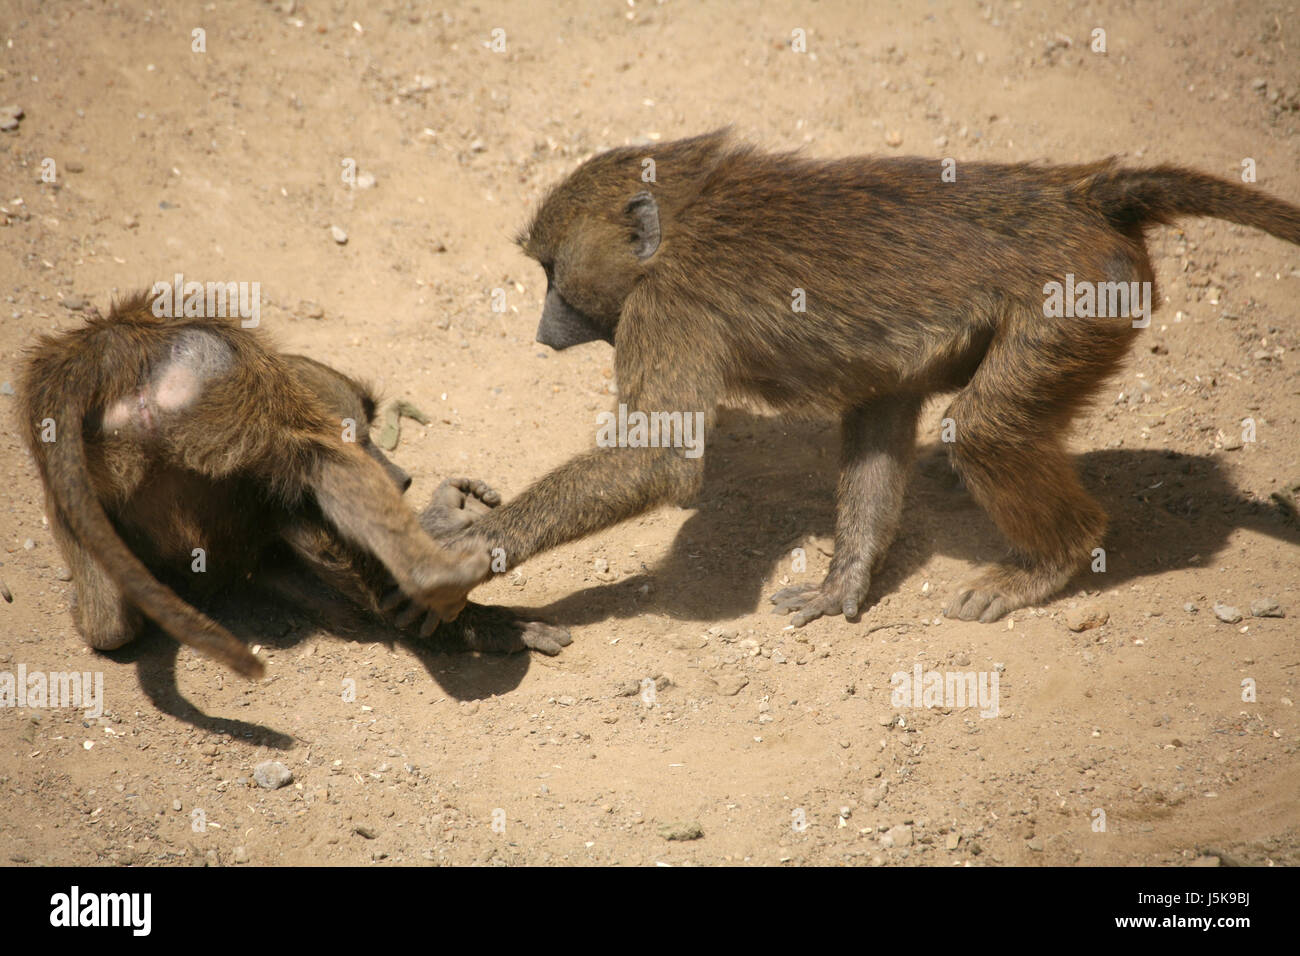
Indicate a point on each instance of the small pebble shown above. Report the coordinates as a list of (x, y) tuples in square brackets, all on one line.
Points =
[(338, 235), (1085, 618), (681, 831), (1266, 607), (272, 775), (1226, 613)]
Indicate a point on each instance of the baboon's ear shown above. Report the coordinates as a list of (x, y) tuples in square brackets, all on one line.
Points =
[(643, 216)]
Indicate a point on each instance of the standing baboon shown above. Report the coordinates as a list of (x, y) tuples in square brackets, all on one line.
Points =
[(186, 448), (859, 287)]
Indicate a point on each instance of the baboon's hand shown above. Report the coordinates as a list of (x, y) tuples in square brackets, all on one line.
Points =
[(456, 504), (438, 590), (498, 630), (843, 592), (442, 584)]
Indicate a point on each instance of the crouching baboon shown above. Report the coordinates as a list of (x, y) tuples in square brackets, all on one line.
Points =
[(186, 448), (858, 287)]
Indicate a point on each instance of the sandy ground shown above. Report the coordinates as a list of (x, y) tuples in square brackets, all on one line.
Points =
[(783, 746)]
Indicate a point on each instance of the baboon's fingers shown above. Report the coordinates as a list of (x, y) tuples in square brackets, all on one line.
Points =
[(842, 592), (477, 491), (792, 598), (470, 494), (821, 606)]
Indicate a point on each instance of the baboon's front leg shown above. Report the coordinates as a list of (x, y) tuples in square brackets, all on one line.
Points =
[(879, 440)]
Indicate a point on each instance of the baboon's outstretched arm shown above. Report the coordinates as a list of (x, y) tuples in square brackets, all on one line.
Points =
[(604, 486)]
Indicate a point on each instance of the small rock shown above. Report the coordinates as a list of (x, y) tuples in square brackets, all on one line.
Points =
[(63, 574), (272, 775), (73, 166), (239, 854), (1232, 443), (338, 235), (310, 309), (368, 833), (6, 388), (74, 303), (29, 544), (366, 181), (952, 841), (894, 138), (898, 836), (565, 701), (1190, 608), (600, 565), (1085, 618), (941, 141), (681, 831), (1036, 845), (1266, 607), (729, 685), (1226, 613)]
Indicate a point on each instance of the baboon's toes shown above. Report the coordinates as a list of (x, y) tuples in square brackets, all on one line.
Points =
[(545, 638), (983, 603)]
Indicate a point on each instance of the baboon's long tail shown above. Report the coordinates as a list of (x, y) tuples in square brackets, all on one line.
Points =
[(1133, 198), (75, 498)]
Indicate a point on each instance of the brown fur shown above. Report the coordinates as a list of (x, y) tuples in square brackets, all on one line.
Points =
[(914, 287), (174, 434)]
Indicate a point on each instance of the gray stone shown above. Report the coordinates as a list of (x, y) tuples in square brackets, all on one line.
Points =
[(272, 775)]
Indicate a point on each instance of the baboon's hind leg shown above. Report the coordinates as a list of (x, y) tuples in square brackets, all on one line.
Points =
[(1011, 421)]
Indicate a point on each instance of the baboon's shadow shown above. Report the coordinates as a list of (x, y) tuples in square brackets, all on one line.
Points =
[(280, 624), (770, 485)]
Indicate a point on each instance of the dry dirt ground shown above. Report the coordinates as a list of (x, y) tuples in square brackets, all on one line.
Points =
[(783, 746)]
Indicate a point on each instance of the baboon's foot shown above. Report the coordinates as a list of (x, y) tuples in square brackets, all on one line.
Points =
[(1001, 589)]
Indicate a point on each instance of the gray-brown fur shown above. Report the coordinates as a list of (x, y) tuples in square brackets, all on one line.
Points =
[(179, 433), (914, 287)]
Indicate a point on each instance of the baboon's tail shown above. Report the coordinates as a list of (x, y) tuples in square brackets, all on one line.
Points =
[(75, 498), (1133, 198)]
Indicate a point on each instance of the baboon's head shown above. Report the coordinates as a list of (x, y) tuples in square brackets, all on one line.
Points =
[(344, 397), (598, 232)]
